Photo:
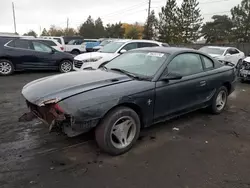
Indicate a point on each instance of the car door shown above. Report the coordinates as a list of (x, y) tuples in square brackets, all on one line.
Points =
[(179, 96), (44, 56), (21, 53)]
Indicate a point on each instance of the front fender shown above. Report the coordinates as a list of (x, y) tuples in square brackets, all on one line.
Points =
[(84, 115)]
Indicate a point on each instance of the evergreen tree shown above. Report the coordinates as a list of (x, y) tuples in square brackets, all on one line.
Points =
[(87, 28), (44, 32), (241, 21), (99, 29), (114, 30), (219, 30), (30, 33), (168, 23), (150, 27), (190, 20)]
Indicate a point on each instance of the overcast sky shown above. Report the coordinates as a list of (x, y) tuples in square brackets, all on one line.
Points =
[(33, 14)]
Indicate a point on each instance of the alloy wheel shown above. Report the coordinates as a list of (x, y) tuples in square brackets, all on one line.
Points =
[(123, 132), (66, 66), (221, 100), (5, 67)]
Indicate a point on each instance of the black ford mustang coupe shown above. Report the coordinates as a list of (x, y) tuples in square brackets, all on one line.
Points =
[(135, 90)]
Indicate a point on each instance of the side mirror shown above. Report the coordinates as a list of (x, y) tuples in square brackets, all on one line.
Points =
[(228, 54), (172, 76), (123, 51)]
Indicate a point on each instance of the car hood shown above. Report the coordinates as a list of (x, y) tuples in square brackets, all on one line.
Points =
[(97, 47), (62, 86), (90, 55), (247, 59)]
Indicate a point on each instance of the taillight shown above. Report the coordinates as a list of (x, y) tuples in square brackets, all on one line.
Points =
[(62, 48)]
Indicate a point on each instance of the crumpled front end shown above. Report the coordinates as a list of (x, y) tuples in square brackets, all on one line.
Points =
[(244, 69), (52, 115)]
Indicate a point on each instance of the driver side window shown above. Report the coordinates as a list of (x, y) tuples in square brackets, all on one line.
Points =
[(130, 46), (186, 64)]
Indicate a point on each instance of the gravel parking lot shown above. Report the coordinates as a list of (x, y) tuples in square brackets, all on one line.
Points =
[(207, 151)]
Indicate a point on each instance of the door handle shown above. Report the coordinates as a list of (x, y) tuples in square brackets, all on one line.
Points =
[(203, 83)]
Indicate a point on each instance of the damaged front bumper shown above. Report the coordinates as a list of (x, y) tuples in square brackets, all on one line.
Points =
[(52, 116)]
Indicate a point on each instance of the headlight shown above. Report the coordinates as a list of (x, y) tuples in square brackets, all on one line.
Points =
[(92, 59)]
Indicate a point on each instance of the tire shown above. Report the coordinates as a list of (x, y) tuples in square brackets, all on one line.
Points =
[(6, 67), (65, 66), (239, 64), (215, 108), (75, 52), (108, 127)]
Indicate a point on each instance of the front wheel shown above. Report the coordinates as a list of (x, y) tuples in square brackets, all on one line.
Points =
[(6, 67), (118, 131), (219, 100), (65, 66)]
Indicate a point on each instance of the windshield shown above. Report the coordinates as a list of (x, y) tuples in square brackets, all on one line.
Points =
[(140, 63), (111, 47), (212, 50), (103, 43)]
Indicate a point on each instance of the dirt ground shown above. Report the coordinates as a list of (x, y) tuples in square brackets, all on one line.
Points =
[(208, 151)]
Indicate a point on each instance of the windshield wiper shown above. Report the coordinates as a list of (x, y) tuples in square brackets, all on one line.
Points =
[(129, 74)]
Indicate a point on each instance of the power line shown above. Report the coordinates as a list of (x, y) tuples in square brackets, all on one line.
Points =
[(121, 10), (130, 13), (214, 13)]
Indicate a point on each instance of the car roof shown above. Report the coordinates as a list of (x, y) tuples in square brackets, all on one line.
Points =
[(220, 47), (136, 40), (169, 50)]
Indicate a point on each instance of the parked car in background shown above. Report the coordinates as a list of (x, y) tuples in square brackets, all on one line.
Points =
[(30, 54), (52, 43), (91, 43), (76, 46), (243, 69), (69, 38), (227, 54), (94, 60), (103, 43), (135, 90), (58, 39)]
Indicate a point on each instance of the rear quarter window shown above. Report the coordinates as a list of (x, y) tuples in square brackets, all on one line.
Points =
[(208, 63)]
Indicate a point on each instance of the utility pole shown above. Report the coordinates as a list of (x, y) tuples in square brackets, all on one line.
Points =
[(67, 30), (149, 9), (14, 17)]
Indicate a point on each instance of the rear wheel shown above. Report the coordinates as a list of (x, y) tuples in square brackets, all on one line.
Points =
[(65, 66), (219, 100), (118, 131), (75, 52), (6, 67)]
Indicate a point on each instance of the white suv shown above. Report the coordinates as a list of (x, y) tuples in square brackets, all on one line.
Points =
[(58, 39), (94, 60), (53, 43)]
